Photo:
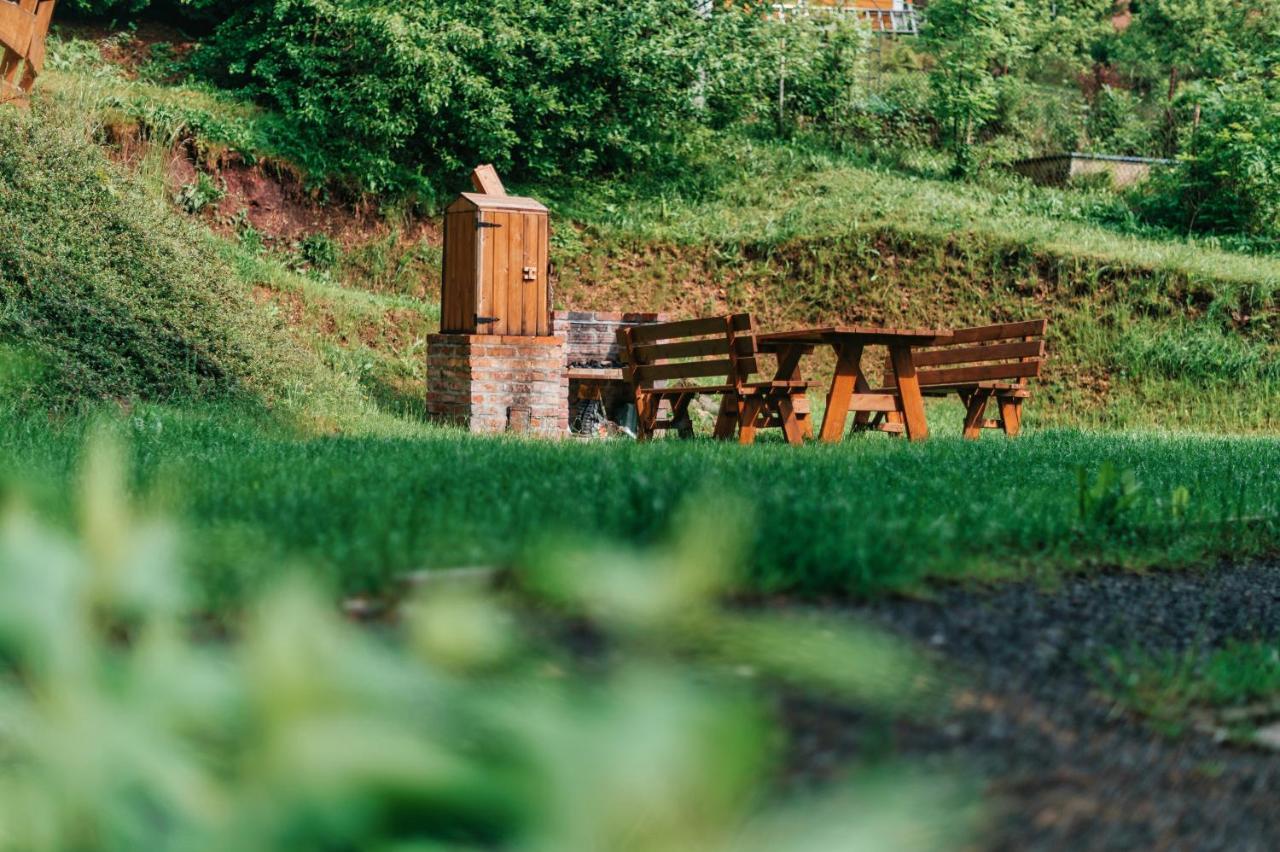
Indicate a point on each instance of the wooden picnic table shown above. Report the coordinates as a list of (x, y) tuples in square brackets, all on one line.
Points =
[(850, 391)]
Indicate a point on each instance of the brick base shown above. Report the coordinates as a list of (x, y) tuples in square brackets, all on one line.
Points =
[(492, 383)]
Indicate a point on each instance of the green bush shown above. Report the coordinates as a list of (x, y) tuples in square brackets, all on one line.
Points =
[(402, 95), (1116, 124), (199, 9), (896, 109), (1228, 179), (110, 292)]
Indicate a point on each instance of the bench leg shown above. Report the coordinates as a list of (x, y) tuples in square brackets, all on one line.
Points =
[(895, 418), (644, 422), (787, 413), (750, 414), (862, 418), (975, 414), (728, 416), (1011, 416), (680, 416)]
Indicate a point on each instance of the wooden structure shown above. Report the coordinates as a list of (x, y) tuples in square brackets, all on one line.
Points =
[(885, 17), (496, 277), (24, 24), (978, 365), (713, 348), (903, 404)]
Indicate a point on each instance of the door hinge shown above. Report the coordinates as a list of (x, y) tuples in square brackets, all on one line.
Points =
[(485, 320), (480, 224)]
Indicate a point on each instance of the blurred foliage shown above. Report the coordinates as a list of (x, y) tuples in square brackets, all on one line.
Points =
[(127, 722)]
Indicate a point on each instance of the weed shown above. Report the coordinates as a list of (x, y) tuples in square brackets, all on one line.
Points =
[(319, 251), (1173, 687), (195, 197)]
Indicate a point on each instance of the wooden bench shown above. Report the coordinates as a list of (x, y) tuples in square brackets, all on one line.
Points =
[(721, 348), (979, 364)]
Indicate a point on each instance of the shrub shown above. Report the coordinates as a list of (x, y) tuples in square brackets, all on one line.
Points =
[(1228, 181), (198, 9), (1116, 124), (398, 95)]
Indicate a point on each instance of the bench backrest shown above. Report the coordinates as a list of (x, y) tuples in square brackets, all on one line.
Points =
[(690, 349), (1010, 352)]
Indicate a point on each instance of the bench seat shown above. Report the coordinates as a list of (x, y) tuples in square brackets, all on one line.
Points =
[(722, 348), (978, 365)]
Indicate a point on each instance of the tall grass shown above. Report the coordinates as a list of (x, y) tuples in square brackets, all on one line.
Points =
[(863, 518)]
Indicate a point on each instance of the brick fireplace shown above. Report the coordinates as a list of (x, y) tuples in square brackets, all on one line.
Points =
[(499, 383)]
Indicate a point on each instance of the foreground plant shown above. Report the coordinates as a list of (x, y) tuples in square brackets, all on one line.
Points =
[(122, 727)]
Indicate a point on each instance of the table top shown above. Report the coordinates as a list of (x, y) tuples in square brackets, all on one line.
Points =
[(860, 333)]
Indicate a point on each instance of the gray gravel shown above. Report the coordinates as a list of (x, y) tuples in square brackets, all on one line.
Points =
[(1062, 766)]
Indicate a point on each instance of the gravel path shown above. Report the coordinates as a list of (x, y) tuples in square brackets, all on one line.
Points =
[(1063, 767)]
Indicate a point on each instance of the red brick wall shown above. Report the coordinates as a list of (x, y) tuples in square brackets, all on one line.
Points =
[(492, 383), (592, 336)]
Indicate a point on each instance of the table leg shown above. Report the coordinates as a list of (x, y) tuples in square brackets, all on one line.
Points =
[(909, 393), (789, 359), (750, 408), (843, 383), (790, 421)]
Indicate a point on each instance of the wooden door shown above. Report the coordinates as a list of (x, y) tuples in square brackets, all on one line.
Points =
[(515, 262), (459, 284)]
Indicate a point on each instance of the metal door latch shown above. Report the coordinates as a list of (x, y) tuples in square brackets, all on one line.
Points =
[(530, 273)]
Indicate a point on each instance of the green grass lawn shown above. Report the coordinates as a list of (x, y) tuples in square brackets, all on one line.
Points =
[(870, 516)]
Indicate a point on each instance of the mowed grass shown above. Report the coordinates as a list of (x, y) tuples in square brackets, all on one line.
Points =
[(868, 517)]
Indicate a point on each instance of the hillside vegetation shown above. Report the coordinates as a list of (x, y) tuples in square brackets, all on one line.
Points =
[(112, 294), (1147, 330), (842, 205)]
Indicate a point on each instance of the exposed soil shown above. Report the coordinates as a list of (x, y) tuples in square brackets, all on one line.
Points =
[(1063, 766), (131, 50)]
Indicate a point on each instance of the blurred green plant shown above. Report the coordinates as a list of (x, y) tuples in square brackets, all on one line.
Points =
[(1109, 498), (128, 723)]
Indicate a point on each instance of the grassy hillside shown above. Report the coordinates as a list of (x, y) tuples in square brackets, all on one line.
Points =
[(1149, 329), (112, 294)]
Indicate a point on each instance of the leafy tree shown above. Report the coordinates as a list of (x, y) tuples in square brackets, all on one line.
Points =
[(1067, 31), (1179, 40), (972, 42), (393, 92)]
